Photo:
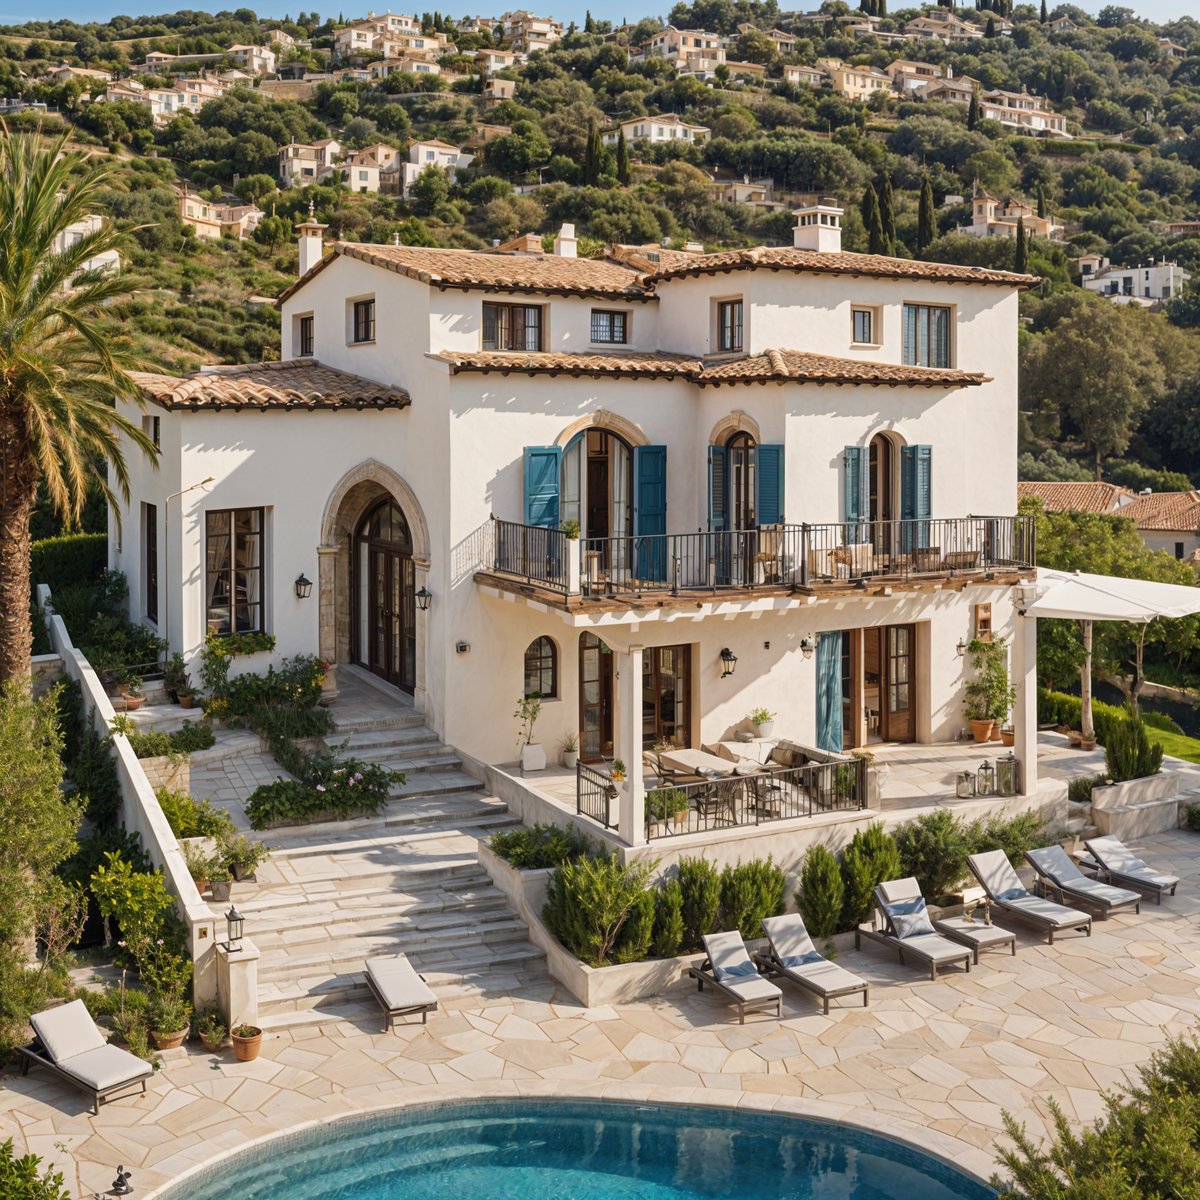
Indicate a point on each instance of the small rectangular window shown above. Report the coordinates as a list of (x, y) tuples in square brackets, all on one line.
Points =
[(864, 326), (609, 327), (1178, 549), (926, 335), (364, 320), (150, 558), (512, 327), (306, 337), (729, 326), (152, 428)]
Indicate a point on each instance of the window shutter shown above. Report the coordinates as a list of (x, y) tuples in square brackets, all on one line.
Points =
[(542, 465), (650, 511), (769, 464), (854, 488), (916, 496), (716, 488)]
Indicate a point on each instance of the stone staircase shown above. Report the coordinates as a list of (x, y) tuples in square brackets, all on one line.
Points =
[(405, 880)]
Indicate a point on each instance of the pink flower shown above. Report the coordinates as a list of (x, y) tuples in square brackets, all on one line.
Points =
[(320, 787), (121, 944), (161, 942)]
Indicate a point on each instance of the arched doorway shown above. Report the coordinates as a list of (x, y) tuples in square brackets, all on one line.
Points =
[(385, 626), (741, 494), (596, 487), (882, 487)]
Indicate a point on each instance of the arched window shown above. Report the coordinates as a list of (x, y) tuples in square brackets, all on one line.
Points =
[(541, 668)]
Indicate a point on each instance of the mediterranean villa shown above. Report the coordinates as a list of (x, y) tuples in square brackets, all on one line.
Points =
[(657, 489)]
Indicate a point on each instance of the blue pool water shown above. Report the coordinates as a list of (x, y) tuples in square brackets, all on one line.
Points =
[(568, 1149)]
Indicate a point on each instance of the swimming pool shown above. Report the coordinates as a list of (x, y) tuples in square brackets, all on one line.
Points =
[(563, 1149)]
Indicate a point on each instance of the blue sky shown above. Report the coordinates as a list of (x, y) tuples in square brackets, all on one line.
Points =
[(13, 13)]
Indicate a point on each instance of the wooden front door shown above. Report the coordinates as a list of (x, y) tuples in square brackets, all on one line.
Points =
[(899, 683), (389, 597), (595, 699)]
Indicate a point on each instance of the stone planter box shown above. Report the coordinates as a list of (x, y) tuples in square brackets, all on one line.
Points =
[(1136, 791), (1138, 807), (167, 771)]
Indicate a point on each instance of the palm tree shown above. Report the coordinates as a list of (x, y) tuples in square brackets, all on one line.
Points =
[(62, 359)]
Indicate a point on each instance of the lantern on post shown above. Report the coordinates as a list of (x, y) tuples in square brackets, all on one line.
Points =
[(235, 924), (1008, 775), (985, 779), (965, 787)]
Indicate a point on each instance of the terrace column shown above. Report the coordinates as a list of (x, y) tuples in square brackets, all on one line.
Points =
[(1024, 669), (632, 817)]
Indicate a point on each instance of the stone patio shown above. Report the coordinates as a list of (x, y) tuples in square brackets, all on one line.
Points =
[(936, 1062)]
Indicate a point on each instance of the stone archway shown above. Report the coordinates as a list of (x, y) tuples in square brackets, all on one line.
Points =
[(355, 493)]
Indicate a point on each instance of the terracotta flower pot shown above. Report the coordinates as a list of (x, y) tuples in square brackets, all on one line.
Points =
[(1008, 736), (1087, 743), (209, 1045), (133, 703), (1074, 737), (187, 700), (981, 731), (169, 1041), (246, 1048)]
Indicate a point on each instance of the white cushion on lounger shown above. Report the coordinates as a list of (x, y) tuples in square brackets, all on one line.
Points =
[(934, 947), (727, 954), (398, 982), (788, 936), (996, 873), (1057, 914), (791, 942), (67, 1031), (1114, 855), (751, 988), (106, 1067)]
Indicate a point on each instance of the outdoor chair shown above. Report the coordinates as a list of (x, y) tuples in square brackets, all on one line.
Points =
[(717, 803), (69, 1044), (906, 928), (1117, 864), (1059, 876), (398, 989), (730, 969), (791, 955), (995, 873)]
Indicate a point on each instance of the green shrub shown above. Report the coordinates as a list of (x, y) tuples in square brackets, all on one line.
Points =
[(1157, 720), (330, 788), (1079, 790), (588, 902), (1191, 817), (1129, 753), (871, 859), (137, 900), (93, 771), (1058, 708), (22, 1178), (700, 884), (1014, 836), (934, 848), (749, 892), (821, 896), (668, 920), (154, 743), (190, 738), (637, 932), (540, 846), (67, 561), (191, 818)]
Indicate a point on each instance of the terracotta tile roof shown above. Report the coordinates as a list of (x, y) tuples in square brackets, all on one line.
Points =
[(773, 366), (785, 258), (1076, 497), (269, 387), (1176, 512)]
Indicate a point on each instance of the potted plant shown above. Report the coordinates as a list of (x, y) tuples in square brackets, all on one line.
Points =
[(130, 683), (212, 1030), (660, 808), (571, 528), (220, 882), (617, 771), (175, 677), (240, 856), (570, 750), (186, 697), (990, 696), (1086, 743), (533, 754), (247, 1041), (1008, 735), (763, 721), (170, 1021), (200, 865)]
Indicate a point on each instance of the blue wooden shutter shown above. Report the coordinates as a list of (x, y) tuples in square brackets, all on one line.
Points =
[(854, 489), (542, 466), (916, 497), (769, 478), (829, 692), (716, 488), (650, 511)]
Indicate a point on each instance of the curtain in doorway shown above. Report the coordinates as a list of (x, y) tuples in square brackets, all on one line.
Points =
[(829, 691)]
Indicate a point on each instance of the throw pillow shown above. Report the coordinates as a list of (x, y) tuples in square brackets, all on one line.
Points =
[(742, 970), (909, 918)]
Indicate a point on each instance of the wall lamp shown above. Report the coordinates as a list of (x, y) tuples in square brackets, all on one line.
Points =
[(808, 645), (424, 595), (961, 648), (728, 662), (303, 586)]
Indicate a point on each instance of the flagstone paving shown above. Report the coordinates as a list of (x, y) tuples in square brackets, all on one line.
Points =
[(1063, 1022)]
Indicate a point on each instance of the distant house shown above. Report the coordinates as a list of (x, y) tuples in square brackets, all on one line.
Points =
[(498, 60), (496, 91), (212, 220), (856, 83), (395, 66), (525, 32), (63, 73), (998, 218), (1060, 25), (798, 73), (1184, 228), (909, 75), (302, 163), (1168, 521), (430, 153), (257, 60), (1106, 499), (943, 28), (279, 37), (1015, 110), (755, 193), (666, 128), (1172, 49), (1146, 285), (785, 43)]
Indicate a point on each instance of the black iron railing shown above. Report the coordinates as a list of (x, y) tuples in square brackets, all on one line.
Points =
[(595, 796), (530, 552)]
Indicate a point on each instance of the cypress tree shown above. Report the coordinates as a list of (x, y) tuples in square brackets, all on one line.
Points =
[(973, 110), (881, 8), (1041, 202), (887, 211), (589, 26), (990, 31), (1021, 252), (926, 224), (592, 155), (1045, 14), (622, 159), (876, 241)]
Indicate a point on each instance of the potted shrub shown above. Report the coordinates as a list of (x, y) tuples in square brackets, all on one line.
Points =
[(247, 1041), (200, 865), (763, 721), (130, 684), (1008, 735), (570, 751), (660, 808), (170, 1021), (212, 1030), (242, 857), (533, 754), (220, 882), (175, 677), (571, 528), (990, 695)]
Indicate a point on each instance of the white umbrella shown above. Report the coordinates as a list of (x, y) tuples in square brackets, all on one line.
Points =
[(1080, 597)]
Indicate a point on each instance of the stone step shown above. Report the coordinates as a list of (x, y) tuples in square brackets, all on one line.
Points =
[(390, 718), (434, 757), (356, 831), (360, 741), (302, 898)]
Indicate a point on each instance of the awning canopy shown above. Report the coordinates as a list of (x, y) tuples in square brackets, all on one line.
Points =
[(1080, 597)]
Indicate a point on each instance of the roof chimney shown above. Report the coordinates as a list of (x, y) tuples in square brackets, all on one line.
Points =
[(312, 245), (819, 227), (566, 245)]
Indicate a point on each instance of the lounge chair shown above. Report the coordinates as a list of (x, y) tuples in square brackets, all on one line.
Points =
[(399, 990), (898, 903), (730, 969), (792, 956), (69, 1044), (1057, 874), (1118, 865), (1007, 892)]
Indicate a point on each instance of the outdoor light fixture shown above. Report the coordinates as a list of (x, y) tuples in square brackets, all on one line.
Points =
[(985, 779), (303, 586), (808, 645), (424, 595), (728, 662), (1008, 775), (236, 924), (965, 787), (961, 649)]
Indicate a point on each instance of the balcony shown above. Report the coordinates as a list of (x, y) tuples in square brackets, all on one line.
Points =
[(770, 560)]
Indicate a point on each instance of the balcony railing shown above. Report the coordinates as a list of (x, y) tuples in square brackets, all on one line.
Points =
[(769, 557)]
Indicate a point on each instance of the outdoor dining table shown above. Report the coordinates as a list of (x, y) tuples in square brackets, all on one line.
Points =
[(697, 762)]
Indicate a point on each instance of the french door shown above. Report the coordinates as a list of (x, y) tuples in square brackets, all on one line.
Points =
[(387, 597), (666, 689), (595, 699)]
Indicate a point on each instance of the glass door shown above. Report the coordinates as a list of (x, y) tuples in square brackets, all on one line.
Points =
[(595, 699), (666, 688), (387, 597), (898, 711)]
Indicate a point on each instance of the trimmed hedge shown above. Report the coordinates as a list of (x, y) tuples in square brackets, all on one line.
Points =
[(70, 559), (1058, 708)]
